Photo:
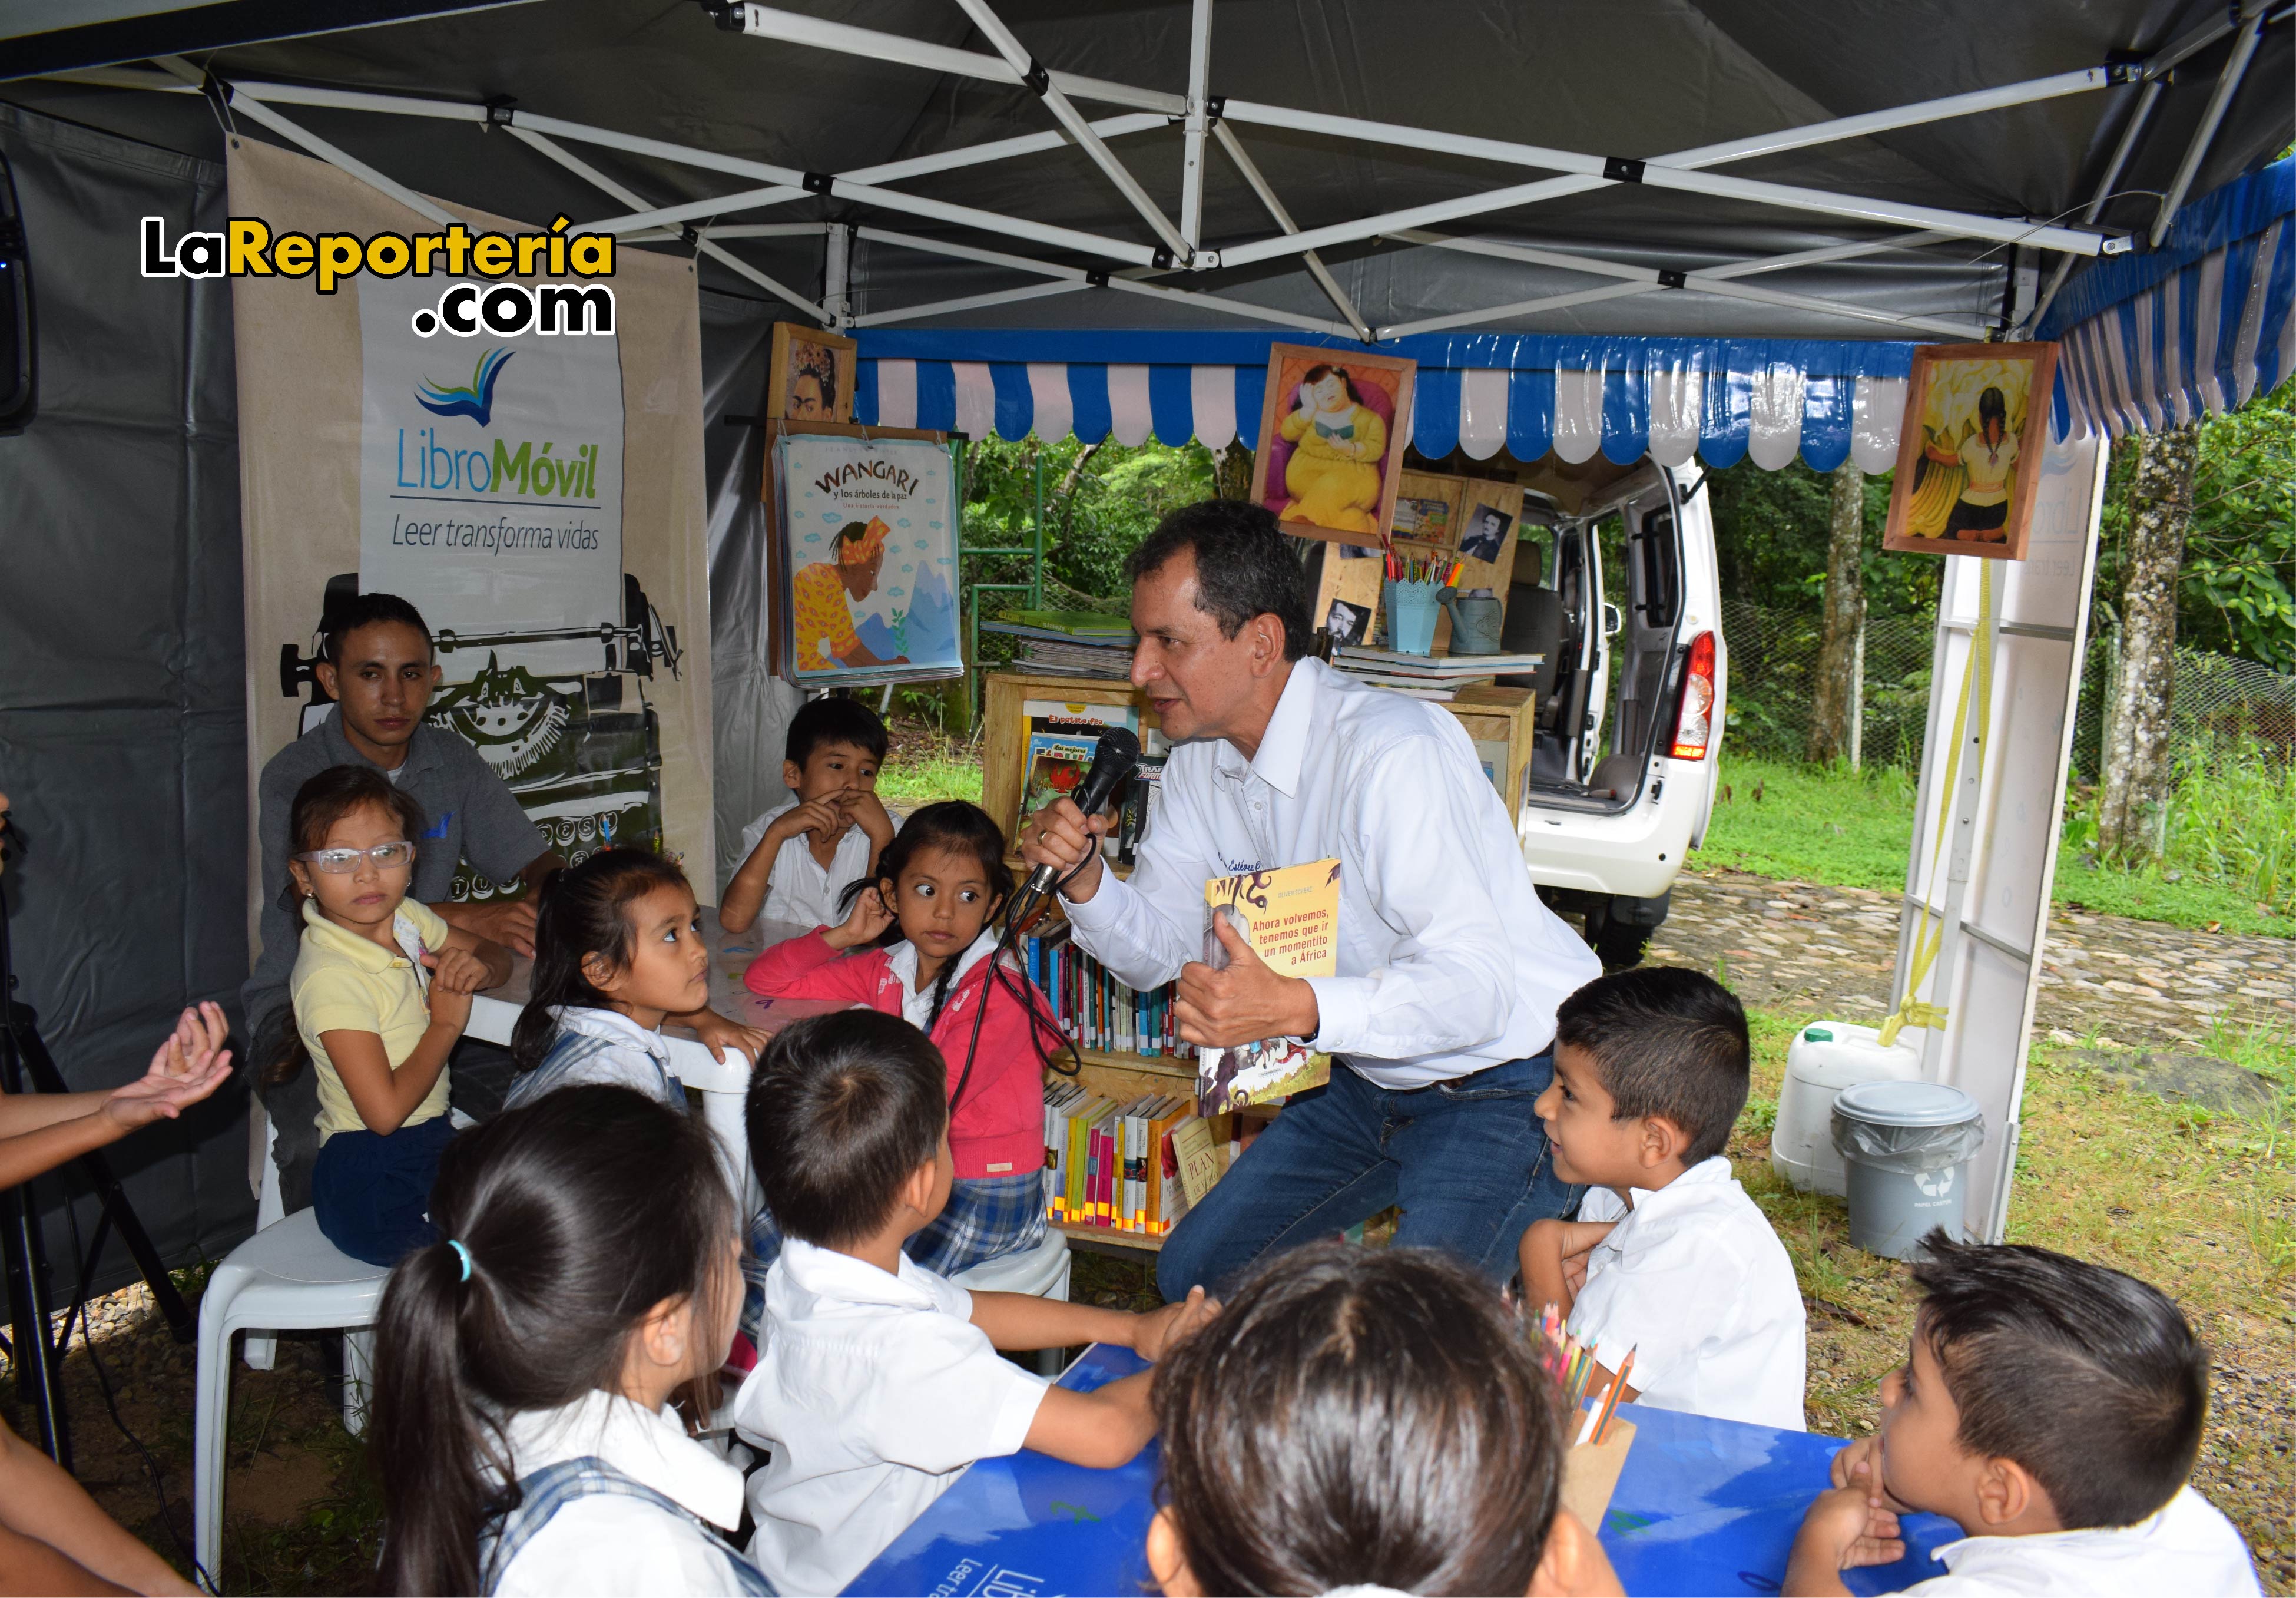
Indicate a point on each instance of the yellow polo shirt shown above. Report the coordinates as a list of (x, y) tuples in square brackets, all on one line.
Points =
[(345, 983)]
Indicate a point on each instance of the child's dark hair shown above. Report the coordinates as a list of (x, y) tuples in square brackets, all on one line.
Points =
[(577, 1215), (365, 610), (323, 800), (957, 827), (2090, 1379), (1666, 1042), (1360, 1418), (842, 1108), (833, 720), (583, 909)]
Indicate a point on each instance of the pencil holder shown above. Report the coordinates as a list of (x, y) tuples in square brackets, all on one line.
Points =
[(1412, 608)]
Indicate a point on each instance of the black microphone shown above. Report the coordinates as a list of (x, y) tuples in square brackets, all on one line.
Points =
[(1114, 759)]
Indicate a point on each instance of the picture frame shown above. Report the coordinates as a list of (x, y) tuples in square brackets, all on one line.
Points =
[(1315, 465), (810, 374), (1969, 449)]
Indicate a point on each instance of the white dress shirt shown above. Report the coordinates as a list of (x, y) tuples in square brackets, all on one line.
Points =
[(873, 1393), (1448, 960), (799, 891), (2188, 1548), (600, 1047), (1695, 1282), (610, 1545)]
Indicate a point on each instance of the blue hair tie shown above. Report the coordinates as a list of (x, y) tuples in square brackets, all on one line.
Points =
[(463, 1254)]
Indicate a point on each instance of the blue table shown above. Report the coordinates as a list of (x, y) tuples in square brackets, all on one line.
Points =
[(1704, 1507)]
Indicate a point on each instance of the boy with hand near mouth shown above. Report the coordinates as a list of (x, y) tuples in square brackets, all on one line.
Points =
[(2052, 1408), (1669, 1259), (798, 858)]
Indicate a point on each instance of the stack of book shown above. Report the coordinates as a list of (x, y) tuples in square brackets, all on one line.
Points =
[(1110, 1163), (1097, 1010), (1430, 676), (1068, 643)]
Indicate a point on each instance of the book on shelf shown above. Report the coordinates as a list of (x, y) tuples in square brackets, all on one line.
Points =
[(1291, 917), (1394, 662), (1092, 1006), (1099, 626), (1068, 643), (1112, 1164)]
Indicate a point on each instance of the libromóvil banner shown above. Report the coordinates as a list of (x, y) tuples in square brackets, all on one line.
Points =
[(490, 476)]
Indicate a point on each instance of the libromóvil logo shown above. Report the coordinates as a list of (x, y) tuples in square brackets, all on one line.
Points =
[(475, 400)]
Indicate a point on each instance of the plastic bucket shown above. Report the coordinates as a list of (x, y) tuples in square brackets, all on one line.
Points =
[(1412, 608), (1905, 1147), (1826, 1058)]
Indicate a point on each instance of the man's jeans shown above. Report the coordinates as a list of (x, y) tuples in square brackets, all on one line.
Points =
[(1467, 1160)]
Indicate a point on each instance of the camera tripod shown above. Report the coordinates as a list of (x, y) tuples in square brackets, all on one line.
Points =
[(25, 1064)]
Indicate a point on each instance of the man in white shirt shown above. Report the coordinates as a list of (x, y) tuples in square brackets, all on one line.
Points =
[(1441, 1014), (2052, 1408)]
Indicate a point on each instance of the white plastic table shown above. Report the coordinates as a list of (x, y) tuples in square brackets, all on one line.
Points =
[(722, 1084)]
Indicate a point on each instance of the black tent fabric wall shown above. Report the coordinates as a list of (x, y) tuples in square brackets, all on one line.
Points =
[(122, 681)]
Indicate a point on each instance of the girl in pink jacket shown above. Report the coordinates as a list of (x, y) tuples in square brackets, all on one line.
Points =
[(920, 937)]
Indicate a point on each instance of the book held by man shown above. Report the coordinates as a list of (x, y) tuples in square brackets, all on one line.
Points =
[(1291, 917)]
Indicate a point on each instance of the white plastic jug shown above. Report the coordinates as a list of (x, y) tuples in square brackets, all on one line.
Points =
[(1825, 1058)]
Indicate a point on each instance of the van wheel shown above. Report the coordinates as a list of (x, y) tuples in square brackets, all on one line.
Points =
[(1618, 943)]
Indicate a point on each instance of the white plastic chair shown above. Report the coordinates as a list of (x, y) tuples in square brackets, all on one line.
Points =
[(1041, 1272), (285, 1278)]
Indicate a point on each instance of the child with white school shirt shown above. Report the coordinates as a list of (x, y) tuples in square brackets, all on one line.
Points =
[(1669, 1258), (798, 858), (878, 1382), (587, 1273), (2053, 1408)]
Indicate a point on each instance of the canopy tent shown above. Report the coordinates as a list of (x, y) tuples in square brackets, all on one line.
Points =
[(1699, 229)]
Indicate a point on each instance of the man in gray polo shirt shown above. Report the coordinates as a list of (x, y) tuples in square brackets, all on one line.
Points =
[(378, 666)]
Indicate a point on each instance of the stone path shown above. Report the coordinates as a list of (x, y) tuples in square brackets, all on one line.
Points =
[(1791, 945)]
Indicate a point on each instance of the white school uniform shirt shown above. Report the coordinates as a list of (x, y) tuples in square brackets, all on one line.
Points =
[(610, 1545), (873, 1394), (600, 1047), (799, 892), (2188, 1549), (1448, 962), (916, 1007), (1695, 1282)]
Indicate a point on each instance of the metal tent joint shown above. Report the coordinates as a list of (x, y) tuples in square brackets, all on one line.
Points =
[(820, 183), (1038, 79), (1618, 168)]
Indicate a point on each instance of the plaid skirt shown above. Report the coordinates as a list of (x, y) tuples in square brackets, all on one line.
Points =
[(987, 1218)]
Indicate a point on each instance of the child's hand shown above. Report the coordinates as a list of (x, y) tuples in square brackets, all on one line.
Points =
[(823, 818), (1860, 1463), (1850, 1527), (1161, 1330), (718, 1035), (865, 923), (191, 1063), (456, 974), (869, 813), (1579, 1241)]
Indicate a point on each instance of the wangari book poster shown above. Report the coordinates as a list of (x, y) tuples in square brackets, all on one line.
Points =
[(868, 568)]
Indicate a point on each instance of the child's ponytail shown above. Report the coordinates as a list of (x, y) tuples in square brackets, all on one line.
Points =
[(580, 911), (563, 1223)]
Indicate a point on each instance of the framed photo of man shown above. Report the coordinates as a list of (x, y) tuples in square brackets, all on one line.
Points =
[(1330, 441), (811, 375), (1969, 450)]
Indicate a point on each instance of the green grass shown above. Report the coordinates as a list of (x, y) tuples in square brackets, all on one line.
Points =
[(910, 783), (2229, 831)]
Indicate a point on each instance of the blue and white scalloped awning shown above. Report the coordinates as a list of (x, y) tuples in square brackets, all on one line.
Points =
[(2201, 324), (1722, 400)]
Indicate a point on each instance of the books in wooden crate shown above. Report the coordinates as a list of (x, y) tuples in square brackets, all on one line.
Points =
[(1291, 917)]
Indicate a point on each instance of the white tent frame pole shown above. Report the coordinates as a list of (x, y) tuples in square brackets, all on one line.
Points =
[(1274, 207), (767, 21), (1191, 149), (2137, 121), (549, 148), (961, 215), (341, 160), (2235, 67), (736, 230), (907, 313), (889, 172), (1821, 256), (836, 275), (895, 171), (1647, 280), (1072, 275), (1064, 109)]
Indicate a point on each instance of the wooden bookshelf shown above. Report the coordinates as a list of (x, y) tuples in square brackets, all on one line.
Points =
[(1107, 1237)]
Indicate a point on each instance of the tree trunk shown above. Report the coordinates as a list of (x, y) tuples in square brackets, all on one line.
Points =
[(2135, 758), (1232, 472), (1834, 702)]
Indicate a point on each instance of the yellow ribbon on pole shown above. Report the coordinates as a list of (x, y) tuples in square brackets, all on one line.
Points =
[(1929, 930)]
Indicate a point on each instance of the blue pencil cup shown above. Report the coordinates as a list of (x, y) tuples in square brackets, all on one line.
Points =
[(1412, 608)]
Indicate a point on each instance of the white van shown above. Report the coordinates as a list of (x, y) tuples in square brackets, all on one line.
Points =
[(1623, 597)]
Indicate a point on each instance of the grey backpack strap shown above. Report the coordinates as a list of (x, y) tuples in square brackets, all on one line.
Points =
[(542, 1494)]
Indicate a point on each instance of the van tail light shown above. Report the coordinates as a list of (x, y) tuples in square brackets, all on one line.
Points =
[(1693, 725)]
